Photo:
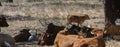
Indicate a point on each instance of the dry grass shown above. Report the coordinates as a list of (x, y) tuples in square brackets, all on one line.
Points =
[(42, 12)]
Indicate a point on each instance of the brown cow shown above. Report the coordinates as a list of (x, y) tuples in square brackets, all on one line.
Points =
[(98, 32), (77, 41), (89, 42), (6, 40), (44, 38), (63, 40), (76, 19), (48, 37), (112, 29), (96, 41)]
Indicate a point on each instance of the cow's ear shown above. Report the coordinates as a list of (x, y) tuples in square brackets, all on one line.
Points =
[(30, 31), (48, 35), (105, 31), (91, 32)]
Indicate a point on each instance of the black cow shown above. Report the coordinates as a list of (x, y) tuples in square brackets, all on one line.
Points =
[(48, 37), (23, 36)]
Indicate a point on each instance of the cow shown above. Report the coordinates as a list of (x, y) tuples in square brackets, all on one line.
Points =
[(72, 29), (111, 30), (98, 32), (92, 32), (6, 40), (48, 37), (62, 40), (77, 19), (3, 22), (23, 36), (44, 38), (89, 42)]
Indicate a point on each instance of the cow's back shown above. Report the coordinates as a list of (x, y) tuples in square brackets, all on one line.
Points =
[(89, 42), (113, 29), (7, 38), (63, 40)]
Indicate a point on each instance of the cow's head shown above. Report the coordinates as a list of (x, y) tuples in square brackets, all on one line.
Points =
[(51, 28), (44, 38), (98, 32), (25, 31), (48, 37), (3, 22), (107, 27), (73, 29), (87, 31)]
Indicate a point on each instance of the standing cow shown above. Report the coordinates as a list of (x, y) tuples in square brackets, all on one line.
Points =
[(77, 19)]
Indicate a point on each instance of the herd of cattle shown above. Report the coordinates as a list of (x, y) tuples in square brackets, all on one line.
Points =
[(71, 35)]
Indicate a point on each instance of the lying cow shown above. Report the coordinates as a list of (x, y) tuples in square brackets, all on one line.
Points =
[(89, 42), (23, 36), (62, 40), (48, 37), (6, 40), (77, 19), (111, 30), (72, 29), (44, 38), (91, 32)]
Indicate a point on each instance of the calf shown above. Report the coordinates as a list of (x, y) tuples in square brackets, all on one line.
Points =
[(23, 36), (76, 19), (6, 40)]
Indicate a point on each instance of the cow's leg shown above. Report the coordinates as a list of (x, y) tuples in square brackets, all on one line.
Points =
[(56, 42), (56, 45)]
